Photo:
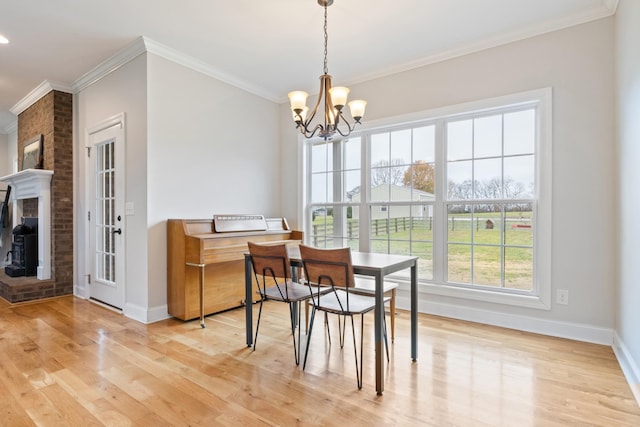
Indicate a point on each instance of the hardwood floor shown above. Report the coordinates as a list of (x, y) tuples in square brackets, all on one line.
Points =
[(67, 361)]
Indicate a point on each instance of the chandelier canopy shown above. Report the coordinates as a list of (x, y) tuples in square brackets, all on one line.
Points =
[(333, 99)]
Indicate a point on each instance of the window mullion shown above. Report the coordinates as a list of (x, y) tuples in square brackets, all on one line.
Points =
[(440, 208), (365, 177)]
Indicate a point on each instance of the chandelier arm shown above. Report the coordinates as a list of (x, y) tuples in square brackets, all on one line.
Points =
[(321, 94), (349, 127), (310, 134)]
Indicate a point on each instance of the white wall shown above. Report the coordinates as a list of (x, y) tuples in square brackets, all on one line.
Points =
[(628, 128), (211, 150), (8, 148), (123, 90), (578, 64), (4, 170), (4, 155)]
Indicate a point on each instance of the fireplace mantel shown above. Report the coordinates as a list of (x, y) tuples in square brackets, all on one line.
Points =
[(35, 184)]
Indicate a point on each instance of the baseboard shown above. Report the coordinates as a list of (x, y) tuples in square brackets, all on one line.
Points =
[(133, 311), (80, 291), (628, 365), (574, 331), (146, 315)]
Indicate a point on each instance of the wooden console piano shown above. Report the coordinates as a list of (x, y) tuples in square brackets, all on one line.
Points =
[(205, 260)]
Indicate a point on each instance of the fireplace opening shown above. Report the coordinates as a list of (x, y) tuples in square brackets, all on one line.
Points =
[(24, 249)]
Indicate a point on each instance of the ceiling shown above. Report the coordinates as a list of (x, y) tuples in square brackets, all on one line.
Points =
[(266, 47)]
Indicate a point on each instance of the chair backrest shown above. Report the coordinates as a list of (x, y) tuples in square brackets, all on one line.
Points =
[(328, 266), (270, 260)]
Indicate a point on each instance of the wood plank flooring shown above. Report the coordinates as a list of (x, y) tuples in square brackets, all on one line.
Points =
[(67, 361)]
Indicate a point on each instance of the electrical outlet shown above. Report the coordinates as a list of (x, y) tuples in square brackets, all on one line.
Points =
[(562, 296)]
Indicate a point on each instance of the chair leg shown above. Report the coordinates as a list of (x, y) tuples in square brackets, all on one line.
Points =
[(306, 317), (355, 348), (296, 346), (255, 339), (386, 341), (341, 328), (326, 324), (306, 351)]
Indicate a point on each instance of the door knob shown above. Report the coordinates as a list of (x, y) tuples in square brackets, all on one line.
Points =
[(117, 231)]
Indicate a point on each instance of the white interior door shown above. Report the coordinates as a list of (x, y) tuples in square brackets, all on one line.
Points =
[(105, 156)]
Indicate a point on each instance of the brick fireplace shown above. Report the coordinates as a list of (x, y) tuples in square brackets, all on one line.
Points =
[(52, 117)]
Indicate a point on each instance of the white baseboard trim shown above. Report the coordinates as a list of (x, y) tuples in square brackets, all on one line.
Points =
[(574, 331), (80, 291), (628, 365), (146, 315)]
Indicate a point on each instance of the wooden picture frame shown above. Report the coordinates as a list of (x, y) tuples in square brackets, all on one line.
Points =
[(32, 153)]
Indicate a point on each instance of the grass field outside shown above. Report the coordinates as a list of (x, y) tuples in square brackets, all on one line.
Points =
[(496, 253)]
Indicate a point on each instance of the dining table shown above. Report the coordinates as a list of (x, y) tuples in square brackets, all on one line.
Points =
[(371, 264)]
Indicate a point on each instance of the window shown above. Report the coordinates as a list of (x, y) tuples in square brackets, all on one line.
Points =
[(466, 189), (490, 171)]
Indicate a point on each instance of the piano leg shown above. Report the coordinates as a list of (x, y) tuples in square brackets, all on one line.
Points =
[(201, 283), (202, 295)]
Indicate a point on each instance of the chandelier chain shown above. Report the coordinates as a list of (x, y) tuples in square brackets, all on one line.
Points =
[(329, 104), (326, 38)]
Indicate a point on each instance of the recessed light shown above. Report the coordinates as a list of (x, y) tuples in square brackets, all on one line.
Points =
[(3, 39)]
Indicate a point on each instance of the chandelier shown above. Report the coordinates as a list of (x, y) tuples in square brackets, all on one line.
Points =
[(333, 99)]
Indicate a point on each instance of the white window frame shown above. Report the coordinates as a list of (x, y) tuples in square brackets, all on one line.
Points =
[(540, 297)]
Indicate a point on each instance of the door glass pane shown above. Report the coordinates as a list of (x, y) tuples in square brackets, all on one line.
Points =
[(105, 208)]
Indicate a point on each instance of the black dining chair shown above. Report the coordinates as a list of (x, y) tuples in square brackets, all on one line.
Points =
[(272, 270), (333, 268)]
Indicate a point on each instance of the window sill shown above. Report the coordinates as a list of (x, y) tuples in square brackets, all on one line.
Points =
[(529, 301)]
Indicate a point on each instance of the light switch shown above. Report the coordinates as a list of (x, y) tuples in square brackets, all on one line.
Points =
[(128, 208)]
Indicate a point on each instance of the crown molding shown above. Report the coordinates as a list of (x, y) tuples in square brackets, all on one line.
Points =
[(146, 45), (120, 58), (607, 8), (206, 69), (41, 90), (612, 5)]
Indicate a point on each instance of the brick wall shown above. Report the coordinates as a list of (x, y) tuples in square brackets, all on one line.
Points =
[(52, 116)]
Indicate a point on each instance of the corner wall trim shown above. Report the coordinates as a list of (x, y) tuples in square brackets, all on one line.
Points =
[(629, 366), (146, 315)]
